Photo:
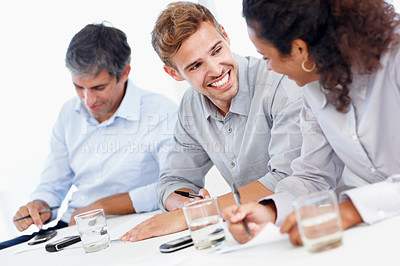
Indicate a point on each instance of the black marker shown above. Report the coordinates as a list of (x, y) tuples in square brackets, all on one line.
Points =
[(187, 194)]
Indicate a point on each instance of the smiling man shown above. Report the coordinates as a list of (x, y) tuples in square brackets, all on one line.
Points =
[(108, 141), (237, 115)]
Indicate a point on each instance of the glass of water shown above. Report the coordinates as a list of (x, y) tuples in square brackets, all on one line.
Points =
[(318, 220), (92, 227), (205, 223)]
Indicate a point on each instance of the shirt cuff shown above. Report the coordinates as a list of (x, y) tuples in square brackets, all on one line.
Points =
[(270, 181), (375, 202), (283, 204), (144, 199), (49, 200)]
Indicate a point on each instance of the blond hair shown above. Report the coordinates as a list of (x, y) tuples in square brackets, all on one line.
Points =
[(175, 24)]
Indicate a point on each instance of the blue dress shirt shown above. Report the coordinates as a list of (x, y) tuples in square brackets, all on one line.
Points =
[(120, 155)]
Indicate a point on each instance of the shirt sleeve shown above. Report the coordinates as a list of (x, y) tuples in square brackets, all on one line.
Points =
[(56, 177), (144, 198), (395, 68), (318, 168), (185, 166), (375, 202), (286, 138)]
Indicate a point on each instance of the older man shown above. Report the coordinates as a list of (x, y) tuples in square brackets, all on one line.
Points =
[(108, 141)]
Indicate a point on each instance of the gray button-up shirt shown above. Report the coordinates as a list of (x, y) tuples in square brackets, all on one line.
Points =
[(364, 141), (256, 140)]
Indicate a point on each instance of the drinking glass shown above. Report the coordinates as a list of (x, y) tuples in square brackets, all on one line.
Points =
[(318, 220), (205, 223), (92, 227)]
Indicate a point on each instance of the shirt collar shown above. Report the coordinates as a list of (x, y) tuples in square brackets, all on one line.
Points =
[(241, 102), (128, 109), (358, 88), (315, 90)]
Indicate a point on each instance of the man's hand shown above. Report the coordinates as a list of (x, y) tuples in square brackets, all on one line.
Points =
[(257, 217), (348, 214), (32, 208), (203, 192), (175, 201), (158, 225)]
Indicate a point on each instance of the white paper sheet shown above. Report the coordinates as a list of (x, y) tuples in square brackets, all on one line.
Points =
[(269, 234)]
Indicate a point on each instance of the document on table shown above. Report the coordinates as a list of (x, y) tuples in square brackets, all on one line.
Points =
[(117, 232), (268, 235)]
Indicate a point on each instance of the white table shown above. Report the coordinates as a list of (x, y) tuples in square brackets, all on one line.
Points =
[(362, 245)]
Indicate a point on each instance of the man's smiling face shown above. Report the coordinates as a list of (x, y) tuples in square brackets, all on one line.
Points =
[(206, 62)]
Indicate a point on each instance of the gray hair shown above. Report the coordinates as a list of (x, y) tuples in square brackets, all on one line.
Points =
[(97, 47)]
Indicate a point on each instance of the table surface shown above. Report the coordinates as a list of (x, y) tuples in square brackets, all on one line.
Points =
[(362, 245)]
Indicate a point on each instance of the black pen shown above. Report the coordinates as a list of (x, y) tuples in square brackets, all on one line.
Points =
[(42, 211), (236, 195), (187, 194)]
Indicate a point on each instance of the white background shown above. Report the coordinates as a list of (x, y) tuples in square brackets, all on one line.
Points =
[(35, 82)]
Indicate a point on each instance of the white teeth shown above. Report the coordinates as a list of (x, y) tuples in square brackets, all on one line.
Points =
[(221, 82)]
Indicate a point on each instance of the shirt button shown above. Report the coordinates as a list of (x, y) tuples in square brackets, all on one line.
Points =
[(232, 164), (373, 170), (355, 137), (229, 130)]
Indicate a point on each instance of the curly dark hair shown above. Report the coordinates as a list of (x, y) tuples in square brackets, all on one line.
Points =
[(343, 36)]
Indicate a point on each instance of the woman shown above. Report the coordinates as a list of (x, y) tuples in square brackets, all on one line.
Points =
[(346, 56)]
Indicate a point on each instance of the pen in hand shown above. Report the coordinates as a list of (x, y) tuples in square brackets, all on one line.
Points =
[(236, 195), (42, 211), (187, 194)]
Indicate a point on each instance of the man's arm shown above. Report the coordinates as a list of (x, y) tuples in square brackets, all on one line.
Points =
[(174, 221), (248, 193), (282, 106), (251, 192), (56, 177), (113, 205), (185, 164)]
